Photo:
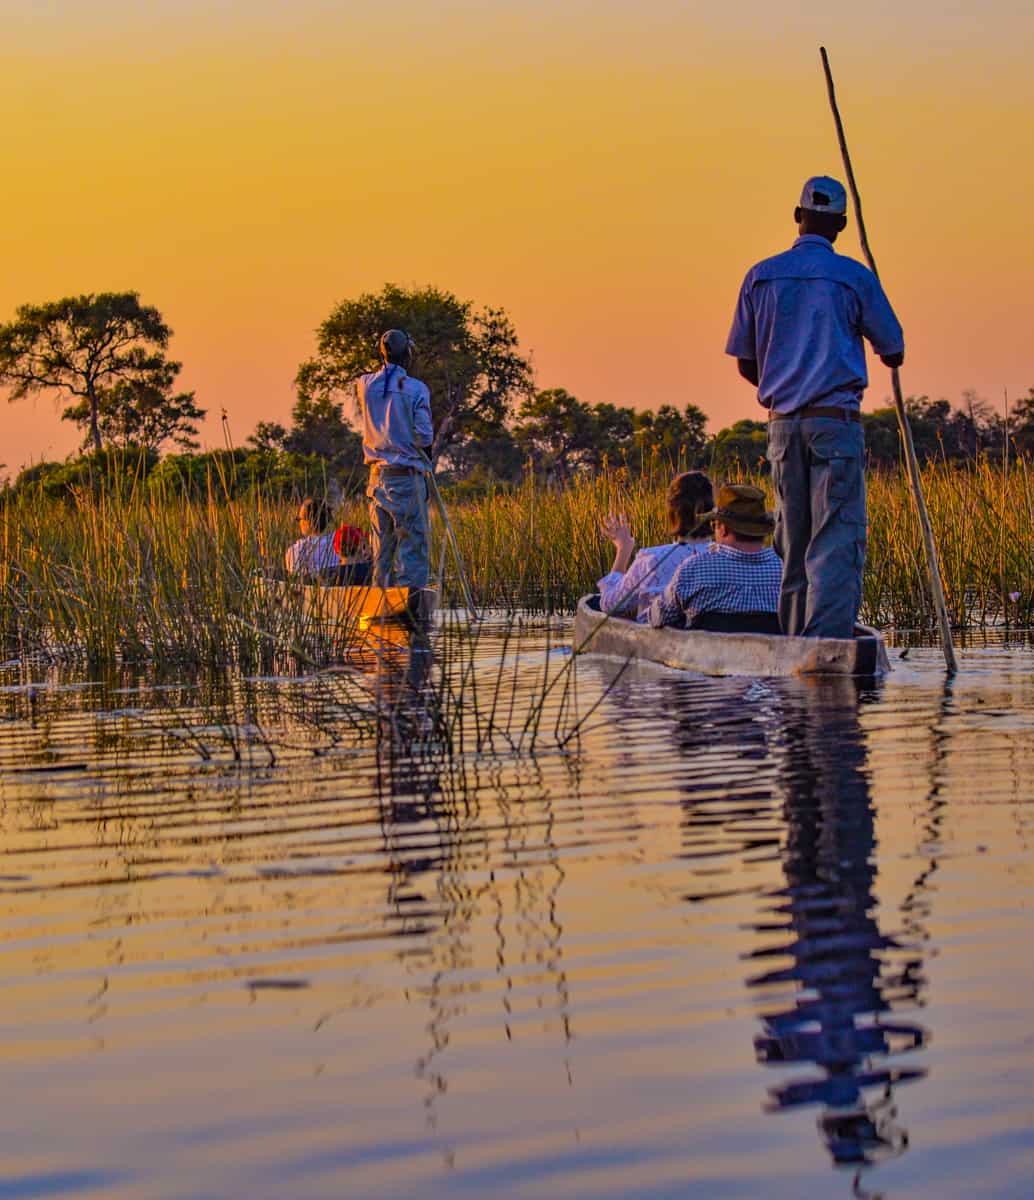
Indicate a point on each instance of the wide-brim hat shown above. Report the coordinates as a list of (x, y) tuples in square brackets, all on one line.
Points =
[(741, 508)]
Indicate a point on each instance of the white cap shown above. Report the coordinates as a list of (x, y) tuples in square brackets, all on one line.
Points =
[(822, 194)]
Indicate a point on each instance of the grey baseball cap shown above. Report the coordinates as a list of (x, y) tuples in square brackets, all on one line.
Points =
[(823, 194)]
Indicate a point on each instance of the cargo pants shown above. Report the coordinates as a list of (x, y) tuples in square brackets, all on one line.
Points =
[(399, 527), (818, 474)]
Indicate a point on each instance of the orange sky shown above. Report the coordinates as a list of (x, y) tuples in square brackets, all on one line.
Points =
[(604, 171)]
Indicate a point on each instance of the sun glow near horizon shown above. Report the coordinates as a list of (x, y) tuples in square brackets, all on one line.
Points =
[(606, 178)]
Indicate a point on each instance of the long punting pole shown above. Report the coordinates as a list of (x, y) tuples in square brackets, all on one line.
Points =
[(936, 587)]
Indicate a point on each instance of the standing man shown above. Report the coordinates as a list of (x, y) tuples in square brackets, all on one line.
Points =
[(396, 412), (797, 336)]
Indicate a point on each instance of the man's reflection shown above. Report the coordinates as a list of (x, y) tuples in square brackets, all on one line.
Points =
[(847, 976)]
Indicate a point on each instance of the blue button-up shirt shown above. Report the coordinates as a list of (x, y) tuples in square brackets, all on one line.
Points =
[(722, 580), (396, 412), (802, 316)]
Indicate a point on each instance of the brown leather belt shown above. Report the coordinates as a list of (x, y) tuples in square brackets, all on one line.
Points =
[(819, 410), (394, 469)]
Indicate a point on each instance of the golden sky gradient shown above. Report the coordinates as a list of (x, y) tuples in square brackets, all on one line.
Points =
[(604, 171)]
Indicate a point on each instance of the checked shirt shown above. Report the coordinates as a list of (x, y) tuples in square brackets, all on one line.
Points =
[(723, 580)]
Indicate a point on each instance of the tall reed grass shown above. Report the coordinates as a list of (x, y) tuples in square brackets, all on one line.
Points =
[(136, 573), (541, 549)]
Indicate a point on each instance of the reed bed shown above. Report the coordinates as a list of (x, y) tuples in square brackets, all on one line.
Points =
[(133, 573), (536, 548)]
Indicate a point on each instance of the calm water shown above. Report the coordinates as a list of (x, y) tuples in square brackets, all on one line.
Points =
[(733, 939)]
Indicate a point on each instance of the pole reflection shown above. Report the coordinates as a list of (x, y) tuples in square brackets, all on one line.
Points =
[(837, 979)]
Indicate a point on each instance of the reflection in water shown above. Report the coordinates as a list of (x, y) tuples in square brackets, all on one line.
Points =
[(847, 975), (332, 958), (436, 843)]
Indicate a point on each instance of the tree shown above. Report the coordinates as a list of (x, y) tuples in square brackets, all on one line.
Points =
[(1021, 422), (470, 360), (611, 431), (142, 411), (740, 448), (556, 431), (319, 428), (268, 438), (83, 346), (488, 454), (678, 438)]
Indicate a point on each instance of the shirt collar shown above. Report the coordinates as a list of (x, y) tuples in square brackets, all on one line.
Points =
[(813, 239), (393, 367)]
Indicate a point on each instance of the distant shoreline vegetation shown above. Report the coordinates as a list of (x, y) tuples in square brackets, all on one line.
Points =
[(107, 354)]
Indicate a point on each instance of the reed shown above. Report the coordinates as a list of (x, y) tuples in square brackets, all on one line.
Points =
[(539, 548), (134, 572)]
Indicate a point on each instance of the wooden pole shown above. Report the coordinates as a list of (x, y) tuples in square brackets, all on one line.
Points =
[(936, 586)]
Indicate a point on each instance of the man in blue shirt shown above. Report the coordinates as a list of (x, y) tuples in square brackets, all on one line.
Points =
[(396, 415), (797, 336)]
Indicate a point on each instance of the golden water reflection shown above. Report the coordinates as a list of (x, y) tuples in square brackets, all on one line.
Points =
[(698, 951)]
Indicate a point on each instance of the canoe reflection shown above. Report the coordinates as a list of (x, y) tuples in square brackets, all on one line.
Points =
[(849, 976), (397, 662)]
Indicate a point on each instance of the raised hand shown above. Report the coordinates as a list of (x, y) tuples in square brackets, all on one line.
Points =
[(615, 527)]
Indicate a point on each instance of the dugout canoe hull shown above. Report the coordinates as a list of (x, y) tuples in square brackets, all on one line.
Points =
[(756, 654), (357, 606)]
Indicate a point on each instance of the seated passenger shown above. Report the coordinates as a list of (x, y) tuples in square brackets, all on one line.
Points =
[(314, 550), (738, 579), (628, 592), (355, 558)]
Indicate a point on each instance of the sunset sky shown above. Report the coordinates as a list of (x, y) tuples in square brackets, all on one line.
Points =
[(604, 171)]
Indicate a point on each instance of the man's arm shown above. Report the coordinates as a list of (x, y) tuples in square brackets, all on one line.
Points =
[(423, 429), (742, 341), (748, 368), (880, 324)]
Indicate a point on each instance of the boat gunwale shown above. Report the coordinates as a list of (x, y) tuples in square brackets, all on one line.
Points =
[(800, 656)]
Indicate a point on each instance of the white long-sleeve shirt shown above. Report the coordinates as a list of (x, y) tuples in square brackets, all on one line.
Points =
[(396, 413), (630, 594)]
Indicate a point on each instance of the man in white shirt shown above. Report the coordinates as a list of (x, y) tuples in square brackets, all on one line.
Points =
[(396, 417)]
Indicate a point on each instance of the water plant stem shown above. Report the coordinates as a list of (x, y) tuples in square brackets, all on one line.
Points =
[(933, 566), (450, 535)]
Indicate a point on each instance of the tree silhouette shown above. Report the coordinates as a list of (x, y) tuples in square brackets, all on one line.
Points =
[(85, 346)]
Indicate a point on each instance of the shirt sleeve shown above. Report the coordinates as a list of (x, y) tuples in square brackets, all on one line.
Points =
[(879, 324), (742, 341), (666, 609), (619, 594), (422, 424)]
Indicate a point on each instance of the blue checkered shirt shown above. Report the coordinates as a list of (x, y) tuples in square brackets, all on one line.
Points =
[(723, 580)]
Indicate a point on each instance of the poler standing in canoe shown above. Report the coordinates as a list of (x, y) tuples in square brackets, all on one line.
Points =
[(396, 415), (797, 335)]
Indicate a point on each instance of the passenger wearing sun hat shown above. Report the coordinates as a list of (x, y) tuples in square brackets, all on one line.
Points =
[(736, 585), (798, 336)]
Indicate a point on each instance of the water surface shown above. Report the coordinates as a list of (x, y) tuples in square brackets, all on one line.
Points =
[(713, 938)]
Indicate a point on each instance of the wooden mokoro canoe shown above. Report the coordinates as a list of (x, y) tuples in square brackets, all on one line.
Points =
[(757, 654), (360, 606)]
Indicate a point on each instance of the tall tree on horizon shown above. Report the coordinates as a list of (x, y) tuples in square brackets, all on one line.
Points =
[(84, 346), (470, 359), (144, 412)]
